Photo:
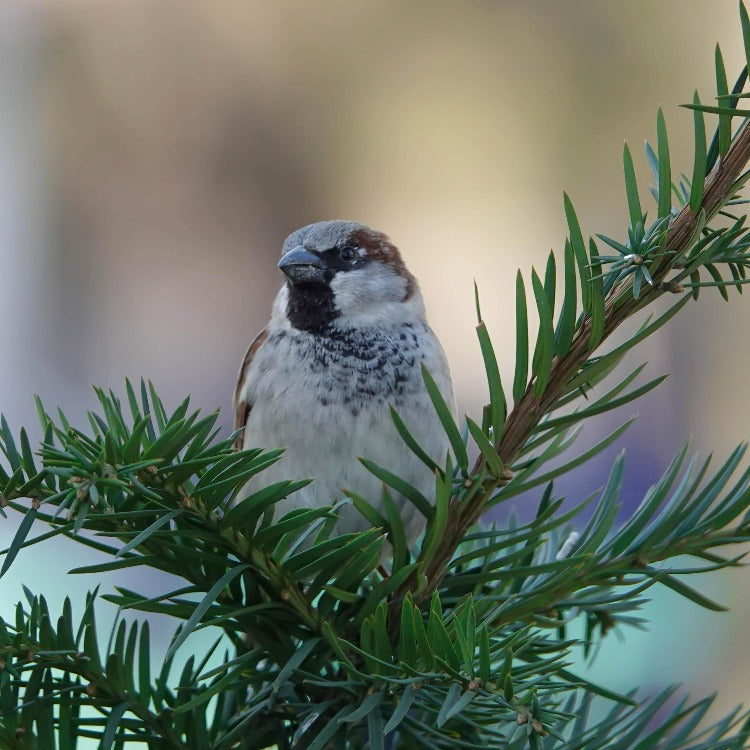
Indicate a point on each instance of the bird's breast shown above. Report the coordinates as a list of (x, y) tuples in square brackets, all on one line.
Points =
[(347, 370), (326, 401), (334, 392)]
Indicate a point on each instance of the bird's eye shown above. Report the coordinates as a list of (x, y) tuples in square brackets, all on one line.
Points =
[(347, 254)]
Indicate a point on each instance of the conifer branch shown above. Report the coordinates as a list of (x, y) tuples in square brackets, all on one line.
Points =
[(620, 305)]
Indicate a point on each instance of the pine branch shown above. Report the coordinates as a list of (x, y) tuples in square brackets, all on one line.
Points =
[(34, 648), (620, 305), (531, 576)]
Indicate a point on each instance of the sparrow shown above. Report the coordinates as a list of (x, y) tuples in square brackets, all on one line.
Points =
[(346, 340)]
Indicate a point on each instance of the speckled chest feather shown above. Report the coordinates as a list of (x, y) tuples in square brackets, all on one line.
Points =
[(363, 367)]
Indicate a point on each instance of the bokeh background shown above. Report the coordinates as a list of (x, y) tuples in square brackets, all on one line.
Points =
[(155, 153)]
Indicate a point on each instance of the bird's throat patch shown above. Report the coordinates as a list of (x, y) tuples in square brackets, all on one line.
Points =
[(310, 307)]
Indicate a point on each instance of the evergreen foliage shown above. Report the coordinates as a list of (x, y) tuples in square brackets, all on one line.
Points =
[(463, 643)]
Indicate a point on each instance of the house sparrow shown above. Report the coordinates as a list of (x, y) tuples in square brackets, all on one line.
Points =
[(345, 341)]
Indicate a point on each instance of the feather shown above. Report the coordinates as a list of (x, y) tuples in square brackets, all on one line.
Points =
[(241, 406)]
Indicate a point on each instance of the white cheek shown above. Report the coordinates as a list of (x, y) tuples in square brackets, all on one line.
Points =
[(279, 319), (362, 289)]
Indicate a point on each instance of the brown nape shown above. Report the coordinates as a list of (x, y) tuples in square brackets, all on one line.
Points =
[(379, 247)]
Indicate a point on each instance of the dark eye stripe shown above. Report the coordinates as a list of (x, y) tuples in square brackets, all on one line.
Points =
[(343, 259)]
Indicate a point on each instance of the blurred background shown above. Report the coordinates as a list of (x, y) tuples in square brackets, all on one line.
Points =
[(154, 155)]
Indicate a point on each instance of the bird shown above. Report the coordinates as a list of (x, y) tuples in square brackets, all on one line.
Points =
[(347, 338)]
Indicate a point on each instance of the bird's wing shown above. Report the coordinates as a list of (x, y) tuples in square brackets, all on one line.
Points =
[(242, 407)]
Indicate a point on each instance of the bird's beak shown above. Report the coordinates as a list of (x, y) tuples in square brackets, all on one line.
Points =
[(303, 267)]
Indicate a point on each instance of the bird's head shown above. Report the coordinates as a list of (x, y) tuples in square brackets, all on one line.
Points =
[(341, 273)]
